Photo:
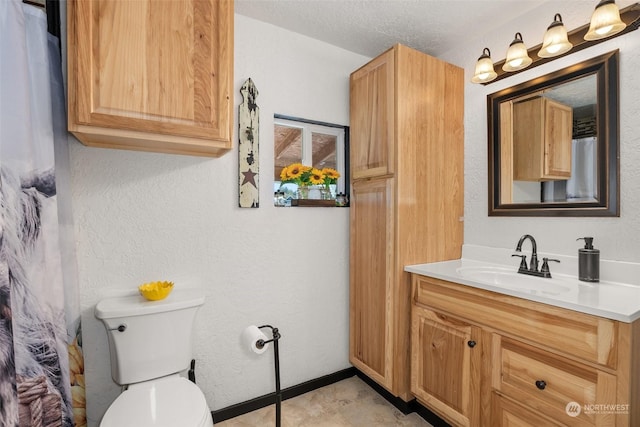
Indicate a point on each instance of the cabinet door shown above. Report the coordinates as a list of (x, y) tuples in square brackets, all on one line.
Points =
[(371, 290), (150, 76), (446, 357), (558, 135), (372, 118), (528, 134)]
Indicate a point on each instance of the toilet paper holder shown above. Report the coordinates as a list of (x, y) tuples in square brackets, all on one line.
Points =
[(276, 336), (260, 344)]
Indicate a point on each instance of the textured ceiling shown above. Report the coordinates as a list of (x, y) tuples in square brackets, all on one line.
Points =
[(369, 27)]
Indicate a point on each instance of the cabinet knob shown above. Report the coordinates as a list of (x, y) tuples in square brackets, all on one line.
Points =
[(541, 384), (471, 343)]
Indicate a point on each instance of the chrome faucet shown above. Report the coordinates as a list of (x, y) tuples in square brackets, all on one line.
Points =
[(533, 264)]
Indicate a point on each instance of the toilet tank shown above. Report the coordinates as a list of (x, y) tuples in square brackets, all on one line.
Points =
[(149, 339)]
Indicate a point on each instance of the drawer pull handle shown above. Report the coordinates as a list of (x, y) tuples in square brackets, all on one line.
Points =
[(471, 343), (541, 384)]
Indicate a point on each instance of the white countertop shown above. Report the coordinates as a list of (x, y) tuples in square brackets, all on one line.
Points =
[(612, 300)]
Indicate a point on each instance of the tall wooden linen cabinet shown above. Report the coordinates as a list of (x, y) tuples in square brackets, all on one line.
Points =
[(407, 174)]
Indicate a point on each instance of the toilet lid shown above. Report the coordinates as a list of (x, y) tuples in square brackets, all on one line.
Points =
[(166, 402)]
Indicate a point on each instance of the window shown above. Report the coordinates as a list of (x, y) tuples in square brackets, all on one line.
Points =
[(317, 144)]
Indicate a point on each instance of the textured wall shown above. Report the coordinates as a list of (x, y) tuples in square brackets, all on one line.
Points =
[(617, 238), (144, 216)]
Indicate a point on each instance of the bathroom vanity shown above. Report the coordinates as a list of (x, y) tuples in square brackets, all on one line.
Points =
[(489, 348)]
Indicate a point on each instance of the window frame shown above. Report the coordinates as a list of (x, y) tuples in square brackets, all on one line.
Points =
[(342, 144)]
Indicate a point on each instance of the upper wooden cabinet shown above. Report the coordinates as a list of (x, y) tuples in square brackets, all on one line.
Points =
[(372, 117), (406, 199), (151, 76), (542, 135)]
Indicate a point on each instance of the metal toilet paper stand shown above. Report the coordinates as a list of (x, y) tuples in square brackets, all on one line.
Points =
[(260, 344)]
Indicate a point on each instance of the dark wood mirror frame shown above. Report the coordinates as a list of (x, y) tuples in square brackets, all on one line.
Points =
[(605, 68)]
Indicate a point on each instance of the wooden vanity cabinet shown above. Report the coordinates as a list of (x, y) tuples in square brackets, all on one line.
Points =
[(151, 76), (542, 134), (406, 152), (541, 365)]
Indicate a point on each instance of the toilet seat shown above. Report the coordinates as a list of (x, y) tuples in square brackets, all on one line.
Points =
[(166, 402)]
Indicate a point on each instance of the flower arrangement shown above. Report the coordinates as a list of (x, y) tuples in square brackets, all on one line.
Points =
[(305, 176)]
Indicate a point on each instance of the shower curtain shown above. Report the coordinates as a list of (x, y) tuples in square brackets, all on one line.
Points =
[(41, 364), (583, 182)]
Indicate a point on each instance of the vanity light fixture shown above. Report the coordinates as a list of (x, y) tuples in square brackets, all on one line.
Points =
[(605, 21), (555, 41), (517, 55), (484, 68)]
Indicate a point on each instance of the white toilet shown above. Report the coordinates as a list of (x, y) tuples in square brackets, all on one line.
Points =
[(150, 343)]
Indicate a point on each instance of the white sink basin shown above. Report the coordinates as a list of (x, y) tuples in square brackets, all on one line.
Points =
[(510, 279)]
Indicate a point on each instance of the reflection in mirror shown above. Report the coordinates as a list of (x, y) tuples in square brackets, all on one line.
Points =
[(553, 143), (313, 143), (560, 122)]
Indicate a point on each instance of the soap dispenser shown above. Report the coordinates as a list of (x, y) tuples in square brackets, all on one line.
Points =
[(588, 261)]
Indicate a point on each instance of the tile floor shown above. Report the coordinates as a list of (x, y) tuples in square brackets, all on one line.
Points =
[(349, 402)]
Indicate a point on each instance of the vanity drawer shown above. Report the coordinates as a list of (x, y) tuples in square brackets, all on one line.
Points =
[(581, 335), (506, 413), (547, 384)]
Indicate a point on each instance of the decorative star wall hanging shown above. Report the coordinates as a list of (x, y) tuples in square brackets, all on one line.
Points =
[(248, 136)]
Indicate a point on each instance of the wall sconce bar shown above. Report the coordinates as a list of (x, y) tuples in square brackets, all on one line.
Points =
[(630, 15)]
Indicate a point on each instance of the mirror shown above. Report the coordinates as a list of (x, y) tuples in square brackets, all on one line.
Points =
[(553, 143)]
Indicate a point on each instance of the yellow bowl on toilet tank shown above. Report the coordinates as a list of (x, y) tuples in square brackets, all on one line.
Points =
[(155, 291)]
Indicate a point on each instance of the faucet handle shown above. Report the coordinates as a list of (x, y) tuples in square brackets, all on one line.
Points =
[(545, 264), (523, 261)]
